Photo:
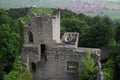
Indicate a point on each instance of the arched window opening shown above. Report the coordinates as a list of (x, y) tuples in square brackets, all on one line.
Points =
[(30, 37), (33, 65)]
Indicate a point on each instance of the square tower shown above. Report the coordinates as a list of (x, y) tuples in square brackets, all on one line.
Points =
[(40, 31), (42, 28)]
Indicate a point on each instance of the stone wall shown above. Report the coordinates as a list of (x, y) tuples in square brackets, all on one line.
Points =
[(55, 68), (56, 28), (30, 53), (43, 27), (45, 56)]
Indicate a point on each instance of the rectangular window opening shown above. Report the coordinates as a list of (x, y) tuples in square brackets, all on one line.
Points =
[(72, 66), (43, 50)]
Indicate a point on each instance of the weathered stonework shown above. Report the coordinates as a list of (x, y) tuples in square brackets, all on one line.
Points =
[(48, 57)]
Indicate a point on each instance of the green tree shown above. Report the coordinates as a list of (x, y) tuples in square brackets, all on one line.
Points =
[(74, 25), (9, 48), (115, 54), (85, 18), (16, 13), (89, 70), (98, 35), (17, 72), (25, 75), (117, 34), (108, 69), (4, 18)]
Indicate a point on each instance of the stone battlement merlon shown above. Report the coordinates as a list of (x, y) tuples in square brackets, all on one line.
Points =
[(38, 15), (55, 16), (36, 18)]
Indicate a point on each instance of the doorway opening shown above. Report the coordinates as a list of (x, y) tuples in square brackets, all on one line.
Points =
[(33, 65), (43, 50)]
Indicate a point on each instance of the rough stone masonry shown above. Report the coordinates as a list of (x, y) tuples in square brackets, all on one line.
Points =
[(48, 57)]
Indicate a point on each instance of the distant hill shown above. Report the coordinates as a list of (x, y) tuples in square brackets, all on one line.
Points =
[(89, 7)]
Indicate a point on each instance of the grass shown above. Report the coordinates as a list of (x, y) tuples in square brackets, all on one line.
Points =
[(41, 10)]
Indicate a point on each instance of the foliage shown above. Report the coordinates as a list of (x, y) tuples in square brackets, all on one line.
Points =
[(75, 25), (72, 63), (10, 42), (99, 34), (16, 13), (115, 53), (114, 50), (4, 18), (109, 69), (85, 18), (117, 35), (25, 75), (41, 10), (17, 27), (67, 13), (94, 32), (3, 12), (107, 73), (89, 69), (15, 71), (17, 74), (8, 48)]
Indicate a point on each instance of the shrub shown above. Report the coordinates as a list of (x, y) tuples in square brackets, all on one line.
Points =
[(108, 69), (25, 75), (17, 74), (89, 70)]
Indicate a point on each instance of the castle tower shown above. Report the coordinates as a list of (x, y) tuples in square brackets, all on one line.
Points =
[(40, 31), (42, 28), (56, 27)]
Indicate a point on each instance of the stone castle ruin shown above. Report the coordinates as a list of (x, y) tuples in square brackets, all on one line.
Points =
[(48, 57)]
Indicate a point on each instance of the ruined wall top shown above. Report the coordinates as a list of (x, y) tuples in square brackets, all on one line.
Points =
[(43, 16), (43, 28), (70, 38)]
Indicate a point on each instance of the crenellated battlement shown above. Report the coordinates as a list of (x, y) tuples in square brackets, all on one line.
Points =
[(44, 16)]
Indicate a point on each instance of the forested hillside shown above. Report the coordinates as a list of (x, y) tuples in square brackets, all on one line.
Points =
[(11, 31), (110, 8), (95, 32)]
